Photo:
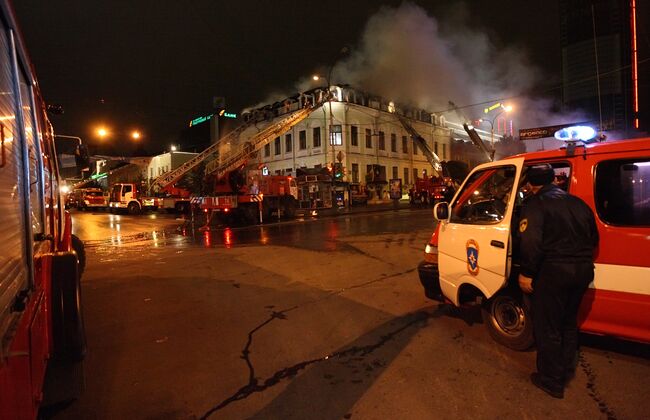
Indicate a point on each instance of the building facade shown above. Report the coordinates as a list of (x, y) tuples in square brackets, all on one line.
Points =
[(601, 73), (355, 133)]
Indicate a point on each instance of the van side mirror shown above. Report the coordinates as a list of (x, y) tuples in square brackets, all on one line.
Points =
[(441, 211)]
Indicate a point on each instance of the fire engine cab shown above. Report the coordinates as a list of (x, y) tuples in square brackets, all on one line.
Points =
[(470, 257)]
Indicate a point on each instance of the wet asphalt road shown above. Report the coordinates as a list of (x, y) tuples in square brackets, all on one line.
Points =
[(307, 319)]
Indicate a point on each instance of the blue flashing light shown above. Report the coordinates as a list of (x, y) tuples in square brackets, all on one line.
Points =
[(575, 133)]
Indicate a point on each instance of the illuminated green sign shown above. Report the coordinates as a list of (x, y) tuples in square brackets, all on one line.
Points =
[(223, 113), (99, 176), (200, 120)]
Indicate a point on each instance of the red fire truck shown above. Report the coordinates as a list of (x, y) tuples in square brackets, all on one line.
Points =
[(249, 195), (41, 329)]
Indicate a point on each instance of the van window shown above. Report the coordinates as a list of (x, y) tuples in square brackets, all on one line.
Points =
[(484, 197), (562, 178), (622, 192)]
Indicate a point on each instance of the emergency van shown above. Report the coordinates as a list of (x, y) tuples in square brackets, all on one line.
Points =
[(471, 258)]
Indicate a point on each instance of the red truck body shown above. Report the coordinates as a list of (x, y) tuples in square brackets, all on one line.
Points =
[(41, 329)]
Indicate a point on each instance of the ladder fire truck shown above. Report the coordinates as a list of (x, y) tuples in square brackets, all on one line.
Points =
[(238, 191), (433, 188), (42, 339), (440, 186)]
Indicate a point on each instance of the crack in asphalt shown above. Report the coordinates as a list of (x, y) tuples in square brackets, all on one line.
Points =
[(593, 391), (254, 384)]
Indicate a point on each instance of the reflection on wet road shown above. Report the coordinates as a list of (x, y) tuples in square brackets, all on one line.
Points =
[(101, 229)]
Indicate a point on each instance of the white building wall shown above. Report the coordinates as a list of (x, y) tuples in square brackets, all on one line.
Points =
[(287, 159), (166, 162)]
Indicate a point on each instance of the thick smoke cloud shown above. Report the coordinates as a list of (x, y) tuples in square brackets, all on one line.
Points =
[(408, 56)]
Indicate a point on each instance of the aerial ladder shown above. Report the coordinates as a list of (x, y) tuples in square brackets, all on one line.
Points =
[(238, 156), (231, 160), (433, 158), (473, 135)]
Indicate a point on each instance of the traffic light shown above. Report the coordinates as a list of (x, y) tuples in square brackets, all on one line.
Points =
[(339, 171)]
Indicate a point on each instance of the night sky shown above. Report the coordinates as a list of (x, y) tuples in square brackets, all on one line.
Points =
[(154, 65)]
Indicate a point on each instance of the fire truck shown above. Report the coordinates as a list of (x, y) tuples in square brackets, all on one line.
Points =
[(131, 197), (470, 260), (239, 190), (42, 339), (431, 189), (249, 196)]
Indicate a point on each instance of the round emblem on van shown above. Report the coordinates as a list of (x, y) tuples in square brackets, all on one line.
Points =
[(523, 225), (472, 257)]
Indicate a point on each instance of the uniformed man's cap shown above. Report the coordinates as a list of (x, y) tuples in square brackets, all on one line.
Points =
[(540, 174)]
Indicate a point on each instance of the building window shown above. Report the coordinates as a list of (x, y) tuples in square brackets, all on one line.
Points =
[(435, 148), (406, 176), (354, 135), (382, 141), (415, 174), (278, 171), (288, 171), (267, 150), (368, 139), (316, 137), (355, 172), (278, 147), (288, 143), (444, 151), (369, 173), (302, 139), (395, 172), (424, 173), (393, 143), (415, 149), (405, 145), (336, 135)]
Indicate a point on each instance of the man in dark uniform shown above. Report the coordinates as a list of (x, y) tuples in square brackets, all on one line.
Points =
[(558, 237)]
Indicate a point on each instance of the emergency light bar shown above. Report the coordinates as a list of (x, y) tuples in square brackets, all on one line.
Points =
[(575, 133)]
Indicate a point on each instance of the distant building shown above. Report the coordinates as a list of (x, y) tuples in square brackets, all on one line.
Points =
[(166, 162), (599, 43)]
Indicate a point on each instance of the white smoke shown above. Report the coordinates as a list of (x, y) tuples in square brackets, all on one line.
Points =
[(408, 56)]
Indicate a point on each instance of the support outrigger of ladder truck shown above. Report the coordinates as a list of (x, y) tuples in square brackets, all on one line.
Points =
[(240, 192)]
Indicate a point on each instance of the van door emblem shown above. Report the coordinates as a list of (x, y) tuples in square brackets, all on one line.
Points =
[(472, 257)]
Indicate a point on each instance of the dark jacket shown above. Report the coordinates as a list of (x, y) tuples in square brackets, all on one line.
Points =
[(555, 226)]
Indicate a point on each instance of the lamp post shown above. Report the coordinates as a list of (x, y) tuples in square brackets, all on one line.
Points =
[(502, 108)]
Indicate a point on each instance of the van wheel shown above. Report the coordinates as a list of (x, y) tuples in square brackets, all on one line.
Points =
[(133, 208), (508, 320)]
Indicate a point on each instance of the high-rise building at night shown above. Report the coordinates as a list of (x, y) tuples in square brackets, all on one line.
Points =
[(601, 70)]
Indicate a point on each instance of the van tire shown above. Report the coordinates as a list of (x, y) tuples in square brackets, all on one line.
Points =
[(508, 320), (133, 208)]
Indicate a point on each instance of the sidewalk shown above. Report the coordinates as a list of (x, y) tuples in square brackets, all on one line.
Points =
[(359, 209)]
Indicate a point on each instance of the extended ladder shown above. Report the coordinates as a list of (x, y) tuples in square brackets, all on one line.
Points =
[(237, 157), (433, 159), (166, 179)]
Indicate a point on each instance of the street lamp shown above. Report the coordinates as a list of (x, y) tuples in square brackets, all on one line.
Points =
[(102, 132), (135, 135), (502, 108)]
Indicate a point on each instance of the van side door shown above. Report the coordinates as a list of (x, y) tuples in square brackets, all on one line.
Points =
[(474, 243)]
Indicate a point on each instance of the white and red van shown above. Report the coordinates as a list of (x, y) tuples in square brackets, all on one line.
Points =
[(469, 258)]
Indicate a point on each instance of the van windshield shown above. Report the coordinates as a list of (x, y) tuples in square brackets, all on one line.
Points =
[(484, 197)]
